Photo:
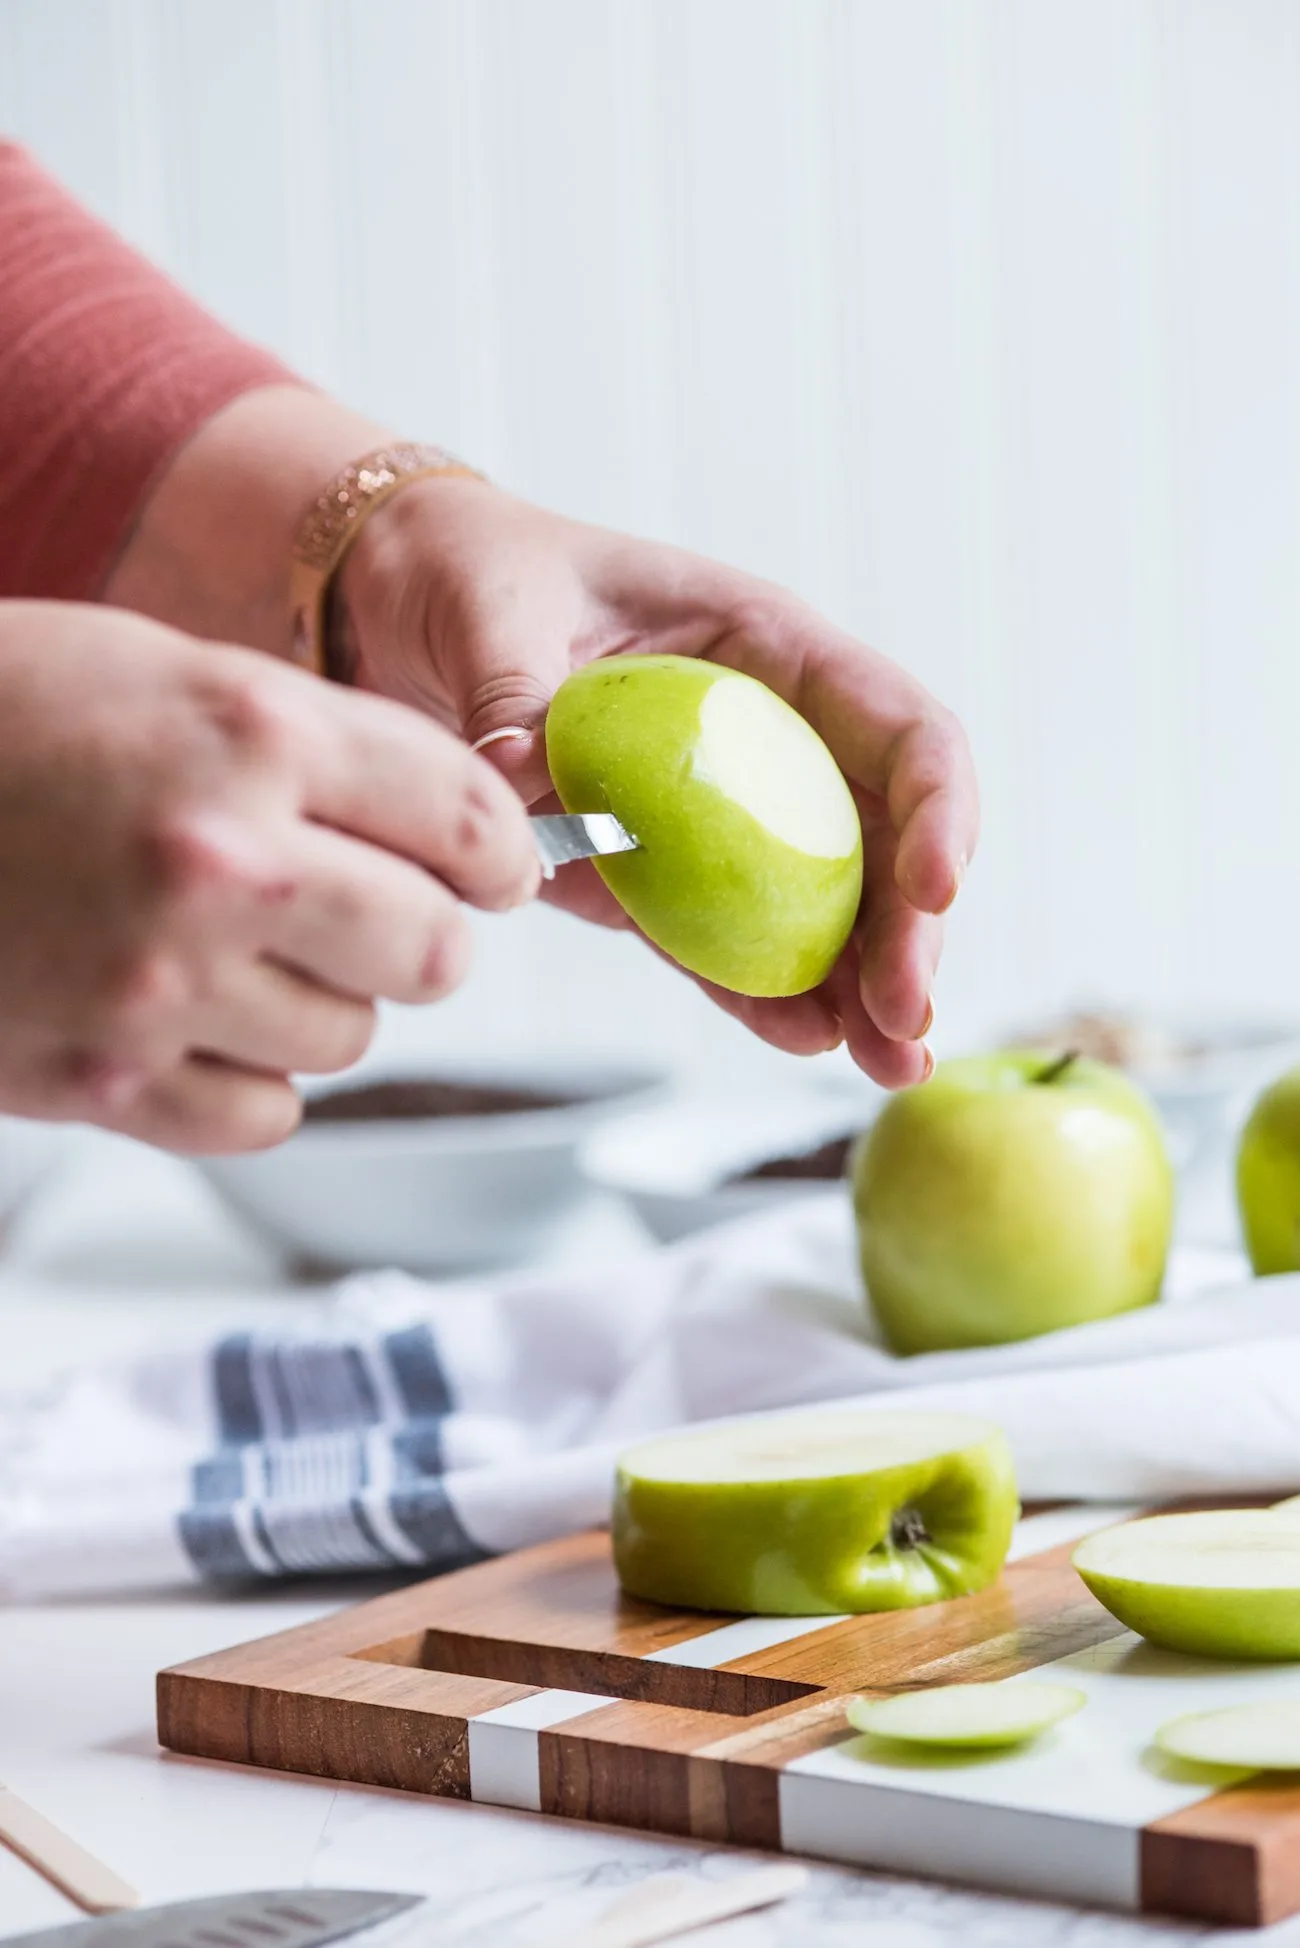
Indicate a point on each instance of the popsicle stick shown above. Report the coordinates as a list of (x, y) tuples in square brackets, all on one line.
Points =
[(76, 1873), (671, 1905)]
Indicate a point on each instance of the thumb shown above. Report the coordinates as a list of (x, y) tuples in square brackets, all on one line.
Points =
[(502, 696)]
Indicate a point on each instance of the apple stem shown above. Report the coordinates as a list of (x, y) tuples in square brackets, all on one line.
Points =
[(908, 1528), (1055, 1070)]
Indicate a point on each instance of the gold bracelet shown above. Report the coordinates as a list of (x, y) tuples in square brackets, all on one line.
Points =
[(333, 522)]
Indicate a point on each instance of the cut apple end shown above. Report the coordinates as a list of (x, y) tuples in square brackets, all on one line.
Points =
[(1226, 1549), (1222, 1584), (968, 1715), (1249, 1737), (804, 1446), (761, 754)]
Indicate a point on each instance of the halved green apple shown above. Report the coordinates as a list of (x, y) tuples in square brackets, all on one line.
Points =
[(970, 1716), (1221, 1584), (1252, 1737), (749, 863), (818, 1511)]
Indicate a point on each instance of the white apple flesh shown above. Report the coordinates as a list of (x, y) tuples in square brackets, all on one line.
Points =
[(969, 1716), (1221, 1584)]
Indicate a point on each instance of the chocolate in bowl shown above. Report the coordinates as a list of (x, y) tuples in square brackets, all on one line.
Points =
[(403, 1101), (826, 1164), (445, 1169)]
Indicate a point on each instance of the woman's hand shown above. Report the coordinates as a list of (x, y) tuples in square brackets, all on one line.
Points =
[(475, 606), (210, 866)]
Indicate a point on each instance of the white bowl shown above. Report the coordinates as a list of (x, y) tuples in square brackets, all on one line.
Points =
[(1203, 1072), (1202, 1096), (431, 1194), (676, 1162)]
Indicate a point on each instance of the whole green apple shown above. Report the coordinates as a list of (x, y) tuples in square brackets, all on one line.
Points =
[(1010, 1195), (815, 1512), (748, 870), (1225, 1583), (1268, 1178)]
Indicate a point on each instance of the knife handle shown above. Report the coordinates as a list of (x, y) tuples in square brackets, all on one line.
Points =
[(76, 1873)]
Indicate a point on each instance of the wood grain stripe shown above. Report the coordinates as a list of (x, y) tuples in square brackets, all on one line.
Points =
[(1234, 1858)]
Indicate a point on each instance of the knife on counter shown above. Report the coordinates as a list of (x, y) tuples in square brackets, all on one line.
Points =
[(289, 1918), (562, 837)]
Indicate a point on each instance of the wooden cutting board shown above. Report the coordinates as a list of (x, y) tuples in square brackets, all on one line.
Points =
[(530, 1681)]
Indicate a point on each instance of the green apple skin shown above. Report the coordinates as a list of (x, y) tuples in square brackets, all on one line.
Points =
[(720, 892), (1268, 1178), (1258, 1626), (819, 1547), (992, 1206)]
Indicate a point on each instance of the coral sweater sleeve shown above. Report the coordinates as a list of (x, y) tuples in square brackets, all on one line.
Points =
[(106, 369)]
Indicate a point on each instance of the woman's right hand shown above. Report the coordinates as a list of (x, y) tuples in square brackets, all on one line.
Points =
[(210, 867)]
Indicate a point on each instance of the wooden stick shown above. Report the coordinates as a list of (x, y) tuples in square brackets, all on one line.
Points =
[(671, 1904), (76, 1873)]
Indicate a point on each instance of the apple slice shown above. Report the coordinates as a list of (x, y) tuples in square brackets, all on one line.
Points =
[(815, 1512), (972, 1716), (748, 869), (1223, 1584), (1252, 1737)]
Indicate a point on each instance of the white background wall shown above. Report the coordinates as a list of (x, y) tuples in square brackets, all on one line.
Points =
[(977, 321)]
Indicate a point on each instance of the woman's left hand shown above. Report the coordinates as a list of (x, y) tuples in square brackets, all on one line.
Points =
[(475, 606)]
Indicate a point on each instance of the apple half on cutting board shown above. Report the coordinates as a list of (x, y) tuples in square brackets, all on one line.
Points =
[(815, 1512), (1225, 1583), (748, 868)]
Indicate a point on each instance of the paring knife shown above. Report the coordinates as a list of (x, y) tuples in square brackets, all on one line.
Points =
[(563, 837), (293, 1918)]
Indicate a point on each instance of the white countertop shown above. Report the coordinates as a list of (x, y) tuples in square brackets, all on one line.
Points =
[(131, 1250)]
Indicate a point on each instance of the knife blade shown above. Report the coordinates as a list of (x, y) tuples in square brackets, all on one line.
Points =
[(289, 1918), (563, 837)]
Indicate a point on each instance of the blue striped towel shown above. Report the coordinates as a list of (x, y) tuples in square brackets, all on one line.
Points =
[(403, 1425)]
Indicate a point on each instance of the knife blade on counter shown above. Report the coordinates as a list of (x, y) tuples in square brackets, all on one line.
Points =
[(561, 838), (289, 1918)]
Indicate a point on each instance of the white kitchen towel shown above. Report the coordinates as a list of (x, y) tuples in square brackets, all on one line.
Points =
[(406, 1424)]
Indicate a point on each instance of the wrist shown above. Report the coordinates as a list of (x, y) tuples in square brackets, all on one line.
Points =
[(391, 615), (211, 551)]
